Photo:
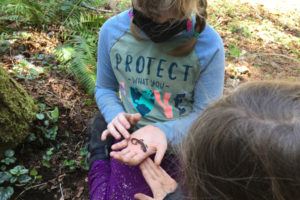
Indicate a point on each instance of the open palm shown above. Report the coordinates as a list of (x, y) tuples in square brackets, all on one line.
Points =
[(141, 144)]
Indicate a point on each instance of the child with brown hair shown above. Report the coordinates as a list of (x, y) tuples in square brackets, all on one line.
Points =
[(245, 146), (168, 65)]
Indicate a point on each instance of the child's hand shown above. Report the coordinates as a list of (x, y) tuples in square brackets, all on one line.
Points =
[(158, 180), (120, 124), (142, 143)]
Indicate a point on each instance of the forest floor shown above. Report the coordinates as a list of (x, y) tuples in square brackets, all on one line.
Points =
[(260, 43)]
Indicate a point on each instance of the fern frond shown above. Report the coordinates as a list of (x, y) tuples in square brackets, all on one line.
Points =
[(87, 26), (28, 11), (84, 63)]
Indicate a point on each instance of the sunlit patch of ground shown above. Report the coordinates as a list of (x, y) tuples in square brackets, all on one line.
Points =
[(258, 36)]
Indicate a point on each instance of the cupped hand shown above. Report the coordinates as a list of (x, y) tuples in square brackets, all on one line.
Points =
[(160, 182), (120, 124), (133, 152)]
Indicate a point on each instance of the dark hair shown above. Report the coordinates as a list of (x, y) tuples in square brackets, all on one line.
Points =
[(246, 146), (184, 8)]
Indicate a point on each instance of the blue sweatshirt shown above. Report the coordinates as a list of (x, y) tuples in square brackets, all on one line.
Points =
[(140, 76)]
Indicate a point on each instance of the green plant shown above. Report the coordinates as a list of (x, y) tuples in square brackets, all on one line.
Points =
[(83, 161), (84, 62), (80, 22), (123, 5), (48, 118), (23, 11), (47, 157), (35, 175), (19, 173), (26, 35), (4, 46), (21, 71), (6, 192), (234, 51), (79, 52), (87, 25), (9, 157), (88, 102), (70, 164), (45, 12), (13, 175)]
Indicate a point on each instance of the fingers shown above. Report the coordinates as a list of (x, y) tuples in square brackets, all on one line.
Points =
[(127, 156), (155, 171), (150, 170), (147, 172), (121, 128), (104, 135), (161, 150), (120, 145), (115, 155), (118, 155), (141, 196), (134, 118), (158, 171), (124, 121), (154, 168), (113, 131), (120, 124)]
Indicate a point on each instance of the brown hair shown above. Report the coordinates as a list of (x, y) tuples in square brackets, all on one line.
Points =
[(247, 145), (184, 8)]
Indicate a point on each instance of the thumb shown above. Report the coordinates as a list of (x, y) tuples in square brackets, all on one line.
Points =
[(141, 196), (161, 150)]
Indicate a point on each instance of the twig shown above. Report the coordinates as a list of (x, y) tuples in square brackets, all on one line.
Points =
[(52, 94), (62, 193), (78, 144), (32, 187), (83, 129), (12, 59), (99, 10), (67, 83), (281, 55)]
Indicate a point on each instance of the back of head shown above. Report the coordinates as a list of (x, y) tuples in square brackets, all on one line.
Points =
[(247, 145)]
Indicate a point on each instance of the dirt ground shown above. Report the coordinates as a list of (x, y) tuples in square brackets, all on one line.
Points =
[(256, 61)]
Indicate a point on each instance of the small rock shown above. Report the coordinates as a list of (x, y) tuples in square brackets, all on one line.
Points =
[(243, 69)]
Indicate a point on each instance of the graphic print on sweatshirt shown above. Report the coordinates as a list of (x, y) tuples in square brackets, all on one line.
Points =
[(153, 83), (143, 101)]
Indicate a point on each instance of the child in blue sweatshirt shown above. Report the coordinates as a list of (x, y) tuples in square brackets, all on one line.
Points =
[(159, 66)]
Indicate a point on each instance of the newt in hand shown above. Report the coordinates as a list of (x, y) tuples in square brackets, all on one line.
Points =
[(136, 141)]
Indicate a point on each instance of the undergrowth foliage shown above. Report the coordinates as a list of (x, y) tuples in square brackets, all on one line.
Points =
[(79, 22), (84, 62)]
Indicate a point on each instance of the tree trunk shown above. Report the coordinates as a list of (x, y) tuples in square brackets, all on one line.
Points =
[(17, 111)]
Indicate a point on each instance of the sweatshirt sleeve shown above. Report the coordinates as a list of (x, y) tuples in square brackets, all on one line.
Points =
[(208, 89), (106, 90)]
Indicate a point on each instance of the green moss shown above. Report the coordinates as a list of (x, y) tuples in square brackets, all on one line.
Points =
[(17, 110)]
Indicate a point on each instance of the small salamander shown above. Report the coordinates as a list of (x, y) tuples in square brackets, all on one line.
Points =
[(136, 141)]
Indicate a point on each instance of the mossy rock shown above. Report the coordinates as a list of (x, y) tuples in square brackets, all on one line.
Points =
[(17, 111)]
